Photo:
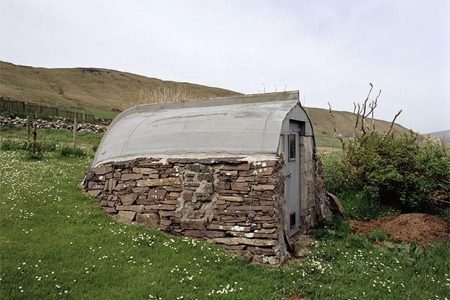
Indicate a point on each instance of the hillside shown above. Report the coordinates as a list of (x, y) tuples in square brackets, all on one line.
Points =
[(443, 136), (345, 121), (88, 88), (101, 90)]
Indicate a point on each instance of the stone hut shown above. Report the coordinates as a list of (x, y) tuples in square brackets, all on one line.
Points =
[(238, 171)]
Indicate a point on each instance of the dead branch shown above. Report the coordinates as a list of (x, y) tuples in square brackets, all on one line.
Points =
[(373, 105), (338, 136), (392, 124), (358, 113), (364, 107)]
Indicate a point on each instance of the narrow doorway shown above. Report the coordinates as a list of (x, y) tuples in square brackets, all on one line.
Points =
[(292, 175)]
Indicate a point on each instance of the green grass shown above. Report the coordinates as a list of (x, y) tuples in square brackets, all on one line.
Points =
[(52, 135), (327, 141), (359, 206), (54, 238)]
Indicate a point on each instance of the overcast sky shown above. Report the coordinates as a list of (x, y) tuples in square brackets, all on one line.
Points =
[(329, 50)]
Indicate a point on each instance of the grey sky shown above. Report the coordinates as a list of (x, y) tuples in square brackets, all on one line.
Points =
[(329, 50)]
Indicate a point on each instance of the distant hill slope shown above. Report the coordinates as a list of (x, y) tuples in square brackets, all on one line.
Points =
[(101, 90), (345, 122), (444, 136), (91, 88)]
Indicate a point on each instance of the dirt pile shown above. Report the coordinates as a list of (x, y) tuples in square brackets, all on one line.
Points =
[(409, 228)]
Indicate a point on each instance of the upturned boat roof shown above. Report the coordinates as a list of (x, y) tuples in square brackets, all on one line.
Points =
[(235, 126)]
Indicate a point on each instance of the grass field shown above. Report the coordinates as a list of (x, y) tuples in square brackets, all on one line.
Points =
[(52, 135), (55, 241)]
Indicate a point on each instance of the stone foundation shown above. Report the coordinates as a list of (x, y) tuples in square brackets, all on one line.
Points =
[(224, 200)]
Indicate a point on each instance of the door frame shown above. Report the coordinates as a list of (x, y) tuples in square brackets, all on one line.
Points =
[(293, 209)]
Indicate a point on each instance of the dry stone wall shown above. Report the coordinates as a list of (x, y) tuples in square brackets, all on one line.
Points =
[(226, 201), (61, 124)]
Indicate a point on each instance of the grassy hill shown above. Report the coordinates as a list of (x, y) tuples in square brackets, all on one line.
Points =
[(95, 89), (345, 122), (101, 90), (443, 136)]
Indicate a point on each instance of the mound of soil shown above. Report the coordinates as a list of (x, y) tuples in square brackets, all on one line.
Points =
[(417, 228)]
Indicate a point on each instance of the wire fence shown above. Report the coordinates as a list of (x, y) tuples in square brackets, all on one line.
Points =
[(8, 105)]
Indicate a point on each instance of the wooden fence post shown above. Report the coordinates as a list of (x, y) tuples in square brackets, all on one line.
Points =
[(75, 130)]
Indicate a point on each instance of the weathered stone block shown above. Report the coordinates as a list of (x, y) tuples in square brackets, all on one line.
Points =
[(235, 167), (262, 218), (94, 193), (250, 208), (126, 216), (229, 228), (261, 251), (230, 198), (271, 230), (245, 179), (135, 208), (92, 185), (145, 171), (130, 176), (240, 186), (148, 219), (102, 170), (156, 194), (193, 224), (160, 207), (128, 199), (173, 188), (231, 219), (110, 184), (264, 171), (159, 182), (174, 195), (204, 233), (264, 187), (238, 248), (110, 210), (141, 189), (165, 222), (245, 241), (252, 235), (170, 213), (172, 202), (122, 186), (230, 173)]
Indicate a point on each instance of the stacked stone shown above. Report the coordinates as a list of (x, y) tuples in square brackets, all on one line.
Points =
[(58, 124), (226, 201)]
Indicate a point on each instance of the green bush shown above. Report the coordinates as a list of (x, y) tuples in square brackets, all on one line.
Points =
[(11, 145), (397, 171), (377, 235), (35, 151), (361, 205), (72, 151), (49, 146)]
